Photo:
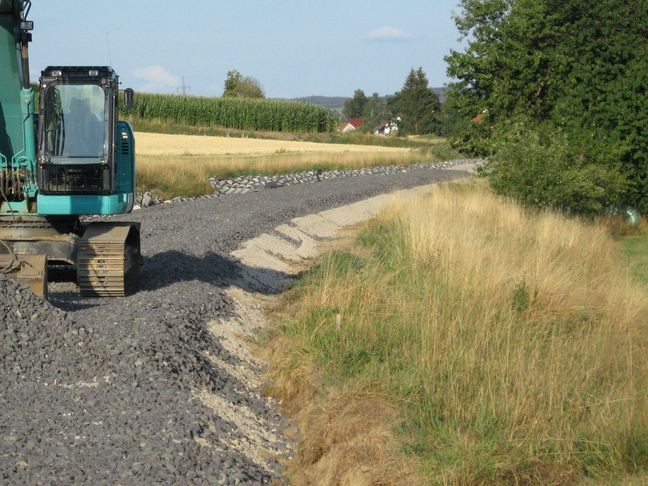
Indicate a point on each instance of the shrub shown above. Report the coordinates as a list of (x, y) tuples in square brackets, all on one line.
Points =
[(575, 170)]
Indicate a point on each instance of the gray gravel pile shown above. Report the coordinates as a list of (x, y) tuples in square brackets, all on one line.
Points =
[(113, 400), (19, 305), (24, 318), (105, 391)]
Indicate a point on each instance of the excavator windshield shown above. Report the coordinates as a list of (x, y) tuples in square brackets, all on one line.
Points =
[(75, 123)]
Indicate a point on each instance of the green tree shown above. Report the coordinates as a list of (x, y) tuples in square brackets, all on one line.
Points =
[(577, 65), (231, 83), (375, 111), (354, 107), (416, 104), (237, 85)]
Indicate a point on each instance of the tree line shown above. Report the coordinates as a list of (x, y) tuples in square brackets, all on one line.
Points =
[(554, 92), (416, 105)]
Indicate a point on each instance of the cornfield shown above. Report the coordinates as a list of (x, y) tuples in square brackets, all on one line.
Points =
[(235, 113)]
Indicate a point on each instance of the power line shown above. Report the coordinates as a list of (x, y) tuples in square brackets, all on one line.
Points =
[(108, 46), (184, 88)]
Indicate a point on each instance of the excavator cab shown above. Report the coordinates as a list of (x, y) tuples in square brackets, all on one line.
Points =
[(85, 156)]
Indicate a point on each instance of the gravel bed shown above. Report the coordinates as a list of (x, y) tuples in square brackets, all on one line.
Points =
[(112, 399), (106, 391)]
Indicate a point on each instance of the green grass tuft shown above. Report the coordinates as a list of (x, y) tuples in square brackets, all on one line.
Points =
[(636, 249)]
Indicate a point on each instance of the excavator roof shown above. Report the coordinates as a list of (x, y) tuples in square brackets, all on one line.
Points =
[(78, 71)]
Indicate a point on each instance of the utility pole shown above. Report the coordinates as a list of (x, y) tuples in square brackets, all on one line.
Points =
[(184, 88)]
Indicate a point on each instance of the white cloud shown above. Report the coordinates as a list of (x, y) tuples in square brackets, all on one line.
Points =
[(387, 32), (156, 78)]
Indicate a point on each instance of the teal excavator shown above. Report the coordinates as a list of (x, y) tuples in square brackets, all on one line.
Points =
[(67, 158)]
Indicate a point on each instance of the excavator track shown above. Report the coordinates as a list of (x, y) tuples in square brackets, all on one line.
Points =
[(108, 254)]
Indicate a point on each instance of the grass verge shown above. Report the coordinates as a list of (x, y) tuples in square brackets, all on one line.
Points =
[(187, 175), (466, 340)]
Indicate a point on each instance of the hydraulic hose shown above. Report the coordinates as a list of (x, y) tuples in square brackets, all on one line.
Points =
[(13, 263), (10, 265)]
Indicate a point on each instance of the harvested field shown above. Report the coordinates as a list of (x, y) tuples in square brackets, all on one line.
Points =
[(163, 144), (180, 165)]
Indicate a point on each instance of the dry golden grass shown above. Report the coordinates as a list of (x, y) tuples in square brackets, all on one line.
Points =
[(568, 266), (427, 139), (163, 144), (512, 342), (188, 175)]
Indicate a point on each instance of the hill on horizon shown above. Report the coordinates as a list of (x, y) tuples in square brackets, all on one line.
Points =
[(335, 103)]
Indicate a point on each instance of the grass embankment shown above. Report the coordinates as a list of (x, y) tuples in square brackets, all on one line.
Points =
[(466, 340), (180, 165)]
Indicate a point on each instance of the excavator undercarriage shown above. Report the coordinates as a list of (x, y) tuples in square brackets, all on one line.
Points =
[(105, 255)]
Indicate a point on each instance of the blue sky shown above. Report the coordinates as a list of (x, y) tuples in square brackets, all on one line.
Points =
[(293, 47)]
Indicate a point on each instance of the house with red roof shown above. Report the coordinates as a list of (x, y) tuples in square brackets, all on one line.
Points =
[(478, 118), (350, 125)]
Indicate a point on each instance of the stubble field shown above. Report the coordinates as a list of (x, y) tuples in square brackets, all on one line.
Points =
[(165, 144), (181, 164)]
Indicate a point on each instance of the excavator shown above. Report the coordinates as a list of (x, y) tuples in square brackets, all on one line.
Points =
[(62, 161)]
